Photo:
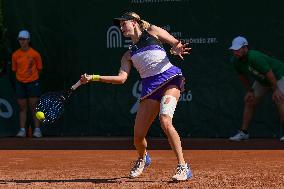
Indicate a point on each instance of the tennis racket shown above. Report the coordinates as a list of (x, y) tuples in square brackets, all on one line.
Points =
[(52, 104)]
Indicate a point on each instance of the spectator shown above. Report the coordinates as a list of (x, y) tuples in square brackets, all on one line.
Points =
[(268, 74), (27, 64)]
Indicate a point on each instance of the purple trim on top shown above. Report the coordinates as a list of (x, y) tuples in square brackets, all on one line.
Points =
[(150, 47)]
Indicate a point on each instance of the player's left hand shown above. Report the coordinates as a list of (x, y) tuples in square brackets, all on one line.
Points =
[(180, 50), (278, 96)]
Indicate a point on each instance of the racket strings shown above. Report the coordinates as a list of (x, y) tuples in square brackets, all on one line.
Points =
[(51, 104)]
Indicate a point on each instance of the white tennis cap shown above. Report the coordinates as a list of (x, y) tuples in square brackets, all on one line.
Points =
[(238, 43), (24, 34)]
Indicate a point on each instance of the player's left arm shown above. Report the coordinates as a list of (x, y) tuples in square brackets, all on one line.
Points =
[(177, 47)]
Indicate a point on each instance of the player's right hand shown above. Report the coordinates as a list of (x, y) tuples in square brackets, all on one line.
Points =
[(85, 78)]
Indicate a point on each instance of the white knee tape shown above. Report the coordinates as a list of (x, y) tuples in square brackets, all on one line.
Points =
[(168, 105)]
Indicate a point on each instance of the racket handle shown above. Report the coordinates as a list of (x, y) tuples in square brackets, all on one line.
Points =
[(76, 85)]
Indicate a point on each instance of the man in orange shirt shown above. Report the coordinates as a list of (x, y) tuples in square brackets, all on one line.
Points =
[(26, 63)]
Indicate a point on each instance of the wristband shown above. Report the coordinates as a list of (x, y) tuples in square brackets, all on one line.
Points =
[(96, 77)]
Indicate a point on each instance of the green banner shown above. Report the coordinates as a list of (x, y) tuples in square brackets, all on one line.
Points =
[(75, 37)]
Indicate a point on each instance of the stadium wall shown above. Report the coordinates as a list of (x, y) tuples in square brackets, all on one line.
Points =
[(75, 37)]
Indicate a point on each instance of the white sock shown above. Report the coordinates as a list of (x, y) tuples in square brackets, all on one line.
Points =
[(37, 129), (23, 129)]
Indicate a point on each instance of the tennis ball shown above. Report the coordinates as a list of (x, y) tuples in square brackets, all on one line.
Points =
[(40, 115)]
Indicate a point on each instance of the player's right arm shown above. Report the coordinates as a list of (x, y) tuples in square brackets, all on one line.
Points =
[(118, 79)]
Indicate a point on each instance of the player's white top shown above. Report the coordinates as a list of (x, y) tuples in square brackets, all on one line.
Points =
[(148, 56)]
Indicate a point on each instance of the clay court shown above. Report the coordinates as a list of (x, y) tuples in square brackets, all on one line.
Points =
[(105, 163)]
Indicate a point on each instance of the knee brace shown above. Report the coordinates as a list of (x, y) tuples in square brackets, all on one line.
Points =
[(168, 105)]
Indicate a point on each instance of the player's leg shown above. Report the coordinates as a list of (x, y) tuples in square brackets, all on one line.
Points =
[(249, 109), (168, 105), (167, 108), (147, 111)]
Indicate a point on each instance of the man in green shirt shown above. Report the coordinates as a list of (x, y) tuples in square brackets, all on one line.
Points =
[(268, 74)]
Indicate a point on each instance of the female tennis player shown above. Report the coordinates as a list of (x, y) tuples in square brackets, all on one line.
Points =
[(162, 84)]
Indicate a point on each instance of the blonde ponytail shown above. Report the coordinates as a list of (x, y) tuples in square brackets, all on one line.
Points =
[(144, 25)]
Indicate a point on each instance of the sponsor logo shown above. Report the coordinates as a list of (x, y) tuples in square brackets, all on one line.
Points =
[(6, 110), (136, 92), (115, 39), (186, 96), (190, 40)]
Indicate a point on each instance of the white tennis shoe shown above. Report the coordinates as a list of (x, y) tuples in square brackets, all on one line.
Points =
[(282, 139), (239, 136), (22, 133), (183, 173), (37, 133), (139, 166)]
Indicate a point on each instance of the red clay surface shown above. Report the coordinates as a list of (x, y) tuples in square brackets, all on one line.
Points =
[(83, 168)]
